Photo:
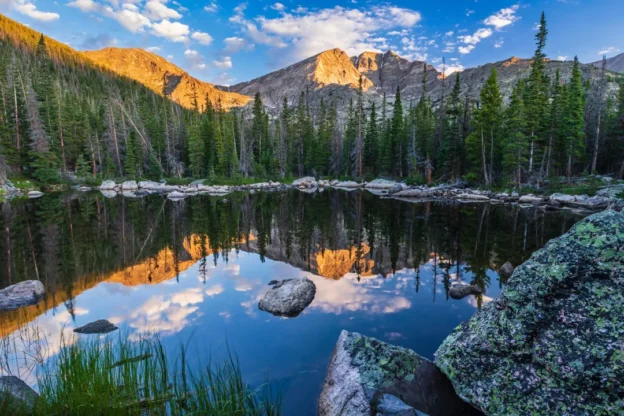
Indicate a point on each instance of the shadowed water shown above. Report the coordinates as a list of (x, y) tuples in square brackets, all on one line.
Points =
[(196, 269)]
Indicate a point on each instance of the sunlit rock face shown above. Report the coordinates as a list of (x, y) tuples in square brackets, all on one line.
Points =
[(553, 342)]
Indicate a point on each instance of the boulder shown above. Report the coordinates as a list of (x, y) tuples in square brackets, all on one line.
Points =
[(593, 203), (21, 294), (129, 186), (380, 184), (150, 185), (461, 290), (35, 194), (562, 199), (16, 395), (362, 370), (506, 270), (347, 185), (552, 343), (288, 297), (108, 186), (411, 193), (530, 199), (611, 192), (101, 326), (473, 197), (306, 182)]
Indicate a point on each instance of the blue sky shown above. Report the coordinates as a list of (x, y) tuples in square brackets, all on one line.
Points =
[(232, 41)]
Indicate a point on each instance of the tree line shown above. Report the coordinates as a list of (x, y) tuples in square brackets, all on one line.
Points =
[(62, 116)]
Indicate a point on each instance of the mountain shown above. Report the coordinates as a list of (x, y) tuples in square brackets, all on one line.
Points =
[(615, 64), (331, 75), (150, 70)]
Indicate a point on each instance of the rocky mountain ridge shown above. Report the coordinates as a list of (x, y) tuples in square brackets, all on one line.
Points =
[(615, 63), (152, 71)]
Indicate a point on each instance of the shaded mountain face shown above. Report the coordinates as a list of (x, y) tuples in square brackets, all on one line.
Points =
[(615, 64), (332, 76), (152, 70)]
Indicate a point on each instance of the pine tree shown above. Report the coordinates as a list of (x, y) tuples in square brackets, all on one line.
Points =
[(515, 146), (575, 119), (489, 122), (371, 141), (451, 145), (397, 135)]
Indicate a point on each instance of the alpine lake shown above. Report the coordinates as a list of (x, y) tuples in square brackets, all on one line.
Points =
[(192, 272)]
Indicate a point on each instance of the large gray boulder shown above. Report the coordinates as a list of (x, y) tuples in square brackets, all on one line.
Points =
[(21, 294), (553, 342), (288, 297), (108, 186), (363, 369), (15, 395)]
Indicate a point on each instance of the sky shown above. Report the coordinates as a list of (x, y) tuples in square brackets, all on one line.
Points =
[(227, 42)]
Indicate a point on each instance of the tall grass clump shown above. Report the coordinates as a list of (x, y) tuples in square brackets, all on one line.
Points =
[(116, 376)]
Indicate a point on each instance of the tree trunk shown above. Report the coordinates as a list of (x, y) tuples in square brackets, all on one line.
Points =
[(60, 131), (531, 155), (596, 146), (114, 131), (491, 153), (485, 170)]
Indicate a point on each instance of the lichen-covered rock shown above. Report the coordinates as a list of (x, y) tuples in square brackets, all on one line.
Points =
[(21, 294), (288, 297), (553, 342), (101, 326), (363, 369), (15, 395)]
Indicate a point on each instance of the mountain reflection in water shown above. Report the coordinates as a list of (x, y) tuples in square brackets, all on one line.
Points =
[(197, 269)]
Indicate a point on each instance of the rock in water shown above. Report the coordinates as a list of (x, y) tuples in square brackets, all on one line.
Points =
[(553, 342), (15, 393), (362, 369), (98, 327), (506, 270), (389, 405), (21, 294), (288, 297), (108, 186), (461, 290)]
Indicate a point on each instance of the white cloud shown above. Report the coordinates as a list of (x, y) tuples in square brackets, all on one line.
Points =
[(469, 12), (308, 32), (201, 37), (503, 17), (223, 79), (156, 10), (562, 58), (212, 7), (470, 41), (174, 31), (128, 18), (30, 10), (499, 43), (608, 50), (194, 59), (279, 7), (449, 69), (450, 33), (153, 49), (85, 6), (224, 63), (234, 44)]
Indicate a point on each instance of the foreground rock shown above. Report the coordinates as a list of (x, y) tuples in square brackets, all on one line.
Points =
[(21, 294), (362, 369), (553, 342), (16, 395), (288, 297), (101, 326)]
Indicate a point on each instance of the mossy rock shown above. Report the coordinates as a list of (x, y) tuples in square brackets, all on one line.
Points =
[(553, 342)]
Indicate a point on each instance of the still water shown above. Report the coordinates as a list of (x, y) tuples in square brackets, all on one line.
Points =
[(193, 271)]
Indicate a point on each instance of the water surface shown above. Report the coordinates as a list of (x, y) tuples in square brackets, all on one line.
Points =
[(196, 269)]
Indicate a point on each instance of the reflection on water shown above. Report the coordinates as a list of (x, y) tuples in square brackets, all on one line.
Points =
[(197, 269)]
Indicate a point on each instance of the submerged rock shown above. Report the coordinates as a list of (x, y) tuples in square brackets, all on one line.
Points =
[(21, 294), (389, 405), (16, 395), (288, 297), (553, 342), (461, 290), (362, 370), (101, 326)]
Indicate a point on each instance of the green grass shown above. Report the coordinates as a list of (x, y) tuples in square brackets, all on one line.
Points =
[(116, 376)]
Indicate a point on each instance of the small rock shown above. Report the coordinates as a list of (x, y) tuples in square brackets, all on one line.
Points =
[(461, 290), (101, 326), (288, 297), (561, 198), (35, 194), (380, 184), (19, 393), (530, 199), (21, 294), (506, 270), (389, 405)]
